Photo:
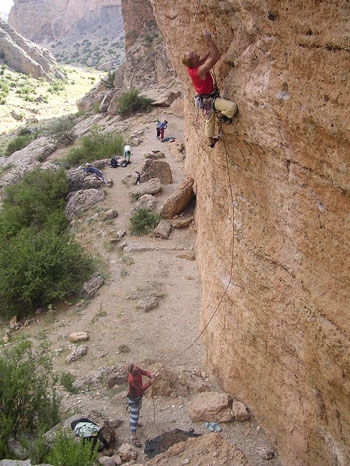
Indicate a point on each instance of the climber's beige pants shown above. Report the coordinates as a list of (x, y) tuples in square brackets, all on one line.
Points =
[(225, 107)]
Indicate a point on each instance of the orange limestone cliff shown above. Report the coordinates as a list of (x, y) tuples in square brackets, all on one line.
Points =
[(273, 213)]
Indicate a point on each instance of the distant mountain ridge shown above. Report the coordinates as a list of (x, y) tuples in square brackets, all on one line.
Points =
[(45, 20), (26, 57), (76, 31)]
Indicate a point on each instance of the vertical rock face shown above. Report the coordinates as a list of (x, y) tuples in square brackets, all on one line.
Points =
[(147, 63), (41, 20), (273, 213)]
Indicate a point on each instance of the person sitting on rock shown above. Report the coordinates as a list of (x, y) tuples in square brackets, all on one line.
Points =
[(198, 68)]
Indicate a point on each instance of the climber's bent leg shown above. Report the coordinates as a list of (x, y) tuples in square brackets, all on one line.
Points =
[(225, 107)]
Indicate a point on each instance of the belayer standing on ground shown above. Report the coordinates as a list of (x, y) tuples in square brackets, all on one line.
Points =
[(198, 69), (158, 123), (127, 154), (136, 390), (163, 126), (96, 172)]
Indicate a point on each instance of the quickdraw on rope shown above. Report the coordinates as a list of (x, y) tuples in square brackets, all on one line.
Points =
[(198, 6)]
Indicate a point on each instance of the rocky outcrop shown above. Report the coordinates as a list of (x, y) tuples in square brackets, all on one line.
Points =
[(26, 57), (45, 20), (272, 214), (147, 67)]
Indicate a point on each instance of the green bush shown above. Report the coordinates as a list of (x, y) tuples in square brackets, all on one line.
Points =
[(143, 221), (56, 86), (67, 381), (109, 80), (131, 102), (65, 451), (39, 261), (95, 146), (38, 201), (37, 268), (28, 401), (18, 143)]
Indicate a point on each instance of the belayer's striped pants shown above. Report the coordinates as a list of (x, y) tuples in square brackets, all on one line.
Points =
[(134, 411)]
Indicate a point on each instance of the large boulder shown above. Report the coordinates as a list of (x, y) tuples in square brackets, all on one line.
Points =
[(178, 200), (152, 186), (156, 169), (82, 200)]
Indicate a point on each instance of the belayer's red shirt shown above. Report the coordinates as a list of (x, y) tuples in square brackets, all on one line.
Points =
[(201, 87)]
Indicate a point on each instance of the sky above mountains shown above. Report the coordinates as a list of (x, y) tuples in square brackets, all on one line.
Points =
[(5, 6)]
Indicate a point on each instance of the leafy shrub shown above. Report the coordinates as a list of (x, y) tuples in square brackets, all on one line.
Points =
[(38, 267), (28, 401), (56, 86), (65, 451), (38, 201), (131, 102), (61, 130), (109, 80), (39, 261), (95, 146), (67, 381), (20, 142), (143, 221)]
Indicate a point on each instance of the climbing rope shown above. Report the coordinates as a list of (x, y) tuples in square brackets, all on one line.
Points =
[(230, 282), (198, 7)]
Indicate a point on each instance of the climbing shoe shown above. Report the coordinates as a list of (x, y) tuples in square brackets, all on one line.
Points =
[(215, 141), (225, 120)]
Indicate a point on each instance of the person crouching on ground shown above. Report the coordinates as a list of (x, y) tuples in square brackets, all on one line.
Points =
[(198, 68), (136, 390)]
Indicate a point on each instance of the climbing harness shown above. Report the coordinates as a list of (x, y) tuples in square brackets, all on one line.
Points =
[(205, 102), (198, 6)]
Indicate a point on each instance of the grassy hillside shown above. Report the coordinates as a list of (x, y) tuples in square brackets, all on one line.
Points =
[(24, 99)]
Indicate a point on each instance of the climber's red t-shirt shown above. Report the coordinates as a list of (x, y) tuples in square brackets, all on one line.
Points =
[(202, 87)]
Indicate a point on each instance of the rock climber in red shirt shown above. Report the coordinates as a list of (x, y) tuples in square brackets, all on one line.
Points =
[(198, 69)]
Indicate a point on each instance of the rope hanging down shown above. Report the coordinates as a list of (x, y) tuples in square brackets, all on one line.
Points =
[(198, 6), (229, 283)]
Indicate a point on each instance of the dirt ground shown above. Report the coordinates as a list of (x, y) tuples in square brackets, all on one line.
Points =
[(120, 333)]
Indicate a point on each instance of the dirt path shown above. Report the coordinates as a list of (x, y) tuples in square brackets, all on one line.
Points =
[(115, 325)]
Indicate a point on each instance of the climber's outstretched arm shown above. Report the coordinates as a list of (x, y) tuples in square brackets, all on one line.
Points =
[(211, 58)]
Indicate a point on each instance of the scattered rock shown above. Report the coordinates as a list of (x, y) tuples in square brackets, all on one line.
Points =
[(182, 222), (91, 286), (211, 406), (106, 461), (266, 454), (147, 202), (76, 354), (240, 411), (78, 336), (110, 214), (162, 230), (127, 452), (152, 186), (155, 155), (189, 255), (147, 304)]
